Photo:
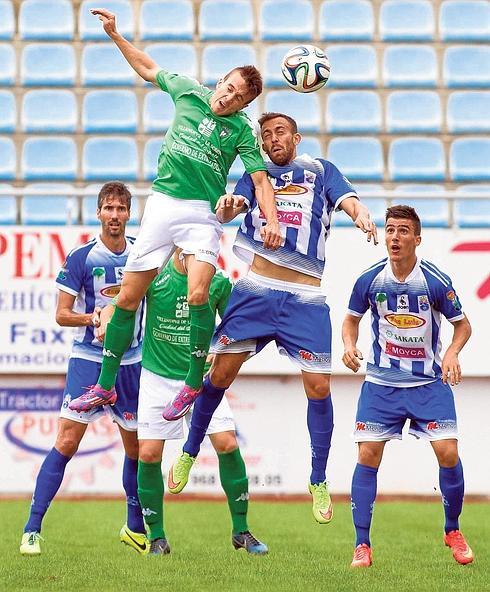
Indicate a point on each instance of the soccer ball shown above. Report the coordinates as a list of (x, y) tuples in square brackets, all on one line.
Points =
[(306, 68)]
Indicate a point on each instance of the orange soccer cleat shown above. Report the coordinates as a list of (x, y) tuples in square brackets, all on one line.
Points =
[(363, 556), (462, 552)]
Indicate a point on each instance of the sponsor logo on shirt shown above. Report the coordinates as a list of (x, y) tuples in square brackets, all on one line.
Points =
[(404, 338), (401, 302), (404, 351), (290, 190), (207, 127), (110, 291), (182, 308), (404, 321), (423, 302)]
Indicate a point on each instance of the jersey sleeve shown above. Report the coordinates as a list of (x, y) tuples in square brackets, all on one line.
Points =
[(337, 186), (175, 84), (245, 188), (248, 149), (359, 301), (70, 277), (447, 302)]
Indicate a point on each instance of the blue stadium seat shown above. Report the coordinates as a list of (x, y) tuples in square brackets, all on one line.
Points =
[(47, 20), (7, 20), (225, 20), (8, 161), (56, 210), (286, 20), (304, 108), (8, 207), (48, 64), (346, 20), (353, 66), (273, 55), (467, 66), (158, 112), (471, 212), (49, 158), (174, 57), (166, 19), (469, 159), (8, 61), (468, 111), (353, 112), (110, 158), (406, 20), (108, 111), (464, 20), (357, 158), (311, 146), (8, 112), (410, 65), (375, 205), (150, 158), (218, 60), (49, 110), (237, 169), (89, 26), (412, 111), (433, 212), (417, 159), (104, 65)]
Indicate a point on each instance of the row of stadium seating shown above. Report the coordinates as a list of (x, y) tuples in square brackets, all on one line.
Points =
[(101, 64), (302, 20)]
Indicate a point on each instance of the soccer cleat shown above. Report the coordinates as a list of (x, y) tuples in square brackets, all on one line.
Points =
[(136, 540), (246, 540), (462, 552), (322, 504), (29, 544), (159, 547), (181, 403), (178, 474), (94, 397), (363, 556)]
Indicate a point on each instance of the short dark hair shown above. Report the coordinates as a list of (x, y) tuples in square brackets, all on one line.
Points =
[(271, 115), (252, 78), (406, 212), (114, 189)]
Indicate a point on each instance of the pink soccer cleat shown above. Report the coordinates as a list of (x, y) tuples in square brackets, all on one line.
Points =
[(94, 397), (181, 403), (363, 556), (462, 552)]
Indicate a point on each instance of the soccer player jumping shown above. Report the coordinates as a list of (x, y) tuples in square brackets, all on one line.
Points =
[(405, 378), (208, 131)]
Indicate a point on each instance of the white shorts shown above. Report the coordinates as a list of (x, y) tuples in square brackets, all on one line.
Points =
[(169, 222), (155, 392)]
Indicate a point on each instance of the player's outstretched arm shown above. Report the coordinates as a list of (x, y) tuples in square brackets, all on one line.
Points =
[(264, 193), (361, 217), (350, 333), (229, 206), (67, 317), (451, 370), (141, 62)]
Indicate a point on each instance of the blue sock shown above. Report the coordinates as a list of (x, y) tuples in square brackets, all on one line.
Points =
[(451, 482), (47, 484), (130, 483), (363, 494), (204, 407), (320, 425)]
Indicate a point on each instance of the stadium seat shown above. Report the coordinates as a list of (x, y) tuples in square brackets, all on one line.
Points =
[(49, 158), (375, 205), (464, 20), (104, 65), (433, 212), (150, 158), (353, 112), (110, 158), (272, 60), (357, 158), (217, 60), (174, 57), (346, 20), (469, 159), (416, 159), (8, 112), (166, 19), (108, 111), (472, 212), (410, 65), (237, 169), (89, 26), (468, 112), (467, 66), (57, 210), (7, 20), (48, 20), (225, 20), (311, 146), (304, 108), (353, 66), (8, 208), (8, 61), (8, 161), (412, 111), (286, 20), (406, 20), (48, 64), (49, 110), (158, 112)]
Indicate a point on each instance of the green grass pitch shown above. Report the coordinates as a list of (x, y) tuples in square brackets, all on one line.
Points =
[(82, 550)]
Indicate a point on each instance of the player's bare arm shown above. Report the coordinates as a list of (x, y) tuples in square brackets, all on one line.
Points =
[(229, 206), (270, 232), (67, 317), (350, 334), (141, 62), (451, 370), (361, 217), (104, 318)]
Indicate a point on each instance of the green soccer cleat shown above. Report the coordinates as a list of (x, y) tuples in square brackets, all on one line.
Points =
[(178, 474), (159, 547), (29, 544), (322, 504), (136, 540)]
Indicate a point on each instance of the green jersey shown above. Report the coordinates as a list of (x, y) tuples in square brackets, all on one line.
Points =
[(166, 342), (200, 147)]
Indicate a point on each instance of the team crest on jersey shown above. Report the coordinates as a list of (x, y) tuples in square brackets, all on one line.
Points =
[(381, 297), (207, 127), (224, 133), (451, 296), (423, 302), (287, 177), (401, 303), (310, 177), (182, 308), (98, 273)]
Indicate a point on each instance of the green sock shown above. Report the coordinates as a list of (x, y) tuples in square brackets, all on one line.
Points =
[(117, 340), (202, 328), (234, 481), (150, 493)]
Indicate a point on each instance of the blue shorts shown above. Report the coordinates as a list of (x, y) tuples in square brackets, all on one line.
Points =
[(82, 373), (295, 316), (383, 410)]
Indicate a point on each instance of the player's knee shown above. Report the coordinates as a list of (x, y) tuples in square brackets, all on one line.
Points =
[(226, 443), (67, 444), (150, 455), (369, 456), (221, 376), (448, 458), (318, 391)]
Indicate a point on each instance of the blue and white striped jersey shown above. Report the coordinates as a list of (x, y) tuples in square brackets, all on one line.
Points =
[(406, 319), (93, 274), (307, 191)]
